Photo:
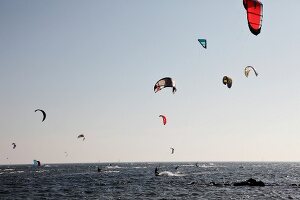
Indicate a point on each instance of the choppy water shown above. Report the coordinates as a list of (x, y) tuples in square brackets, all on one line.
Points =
[(137, 181)]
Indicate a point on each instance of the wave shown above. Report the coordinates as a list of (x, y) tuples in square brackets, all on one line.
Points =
[(198, 165), (206, 166), (41, 171), (187, 165), (114, 167), (16, 172), (8, 169), (111, 171), (168, 173), (139, 167)]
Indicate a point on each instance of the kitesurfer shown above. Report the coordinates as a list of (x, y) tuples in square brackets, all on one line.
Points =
[(156, 171)]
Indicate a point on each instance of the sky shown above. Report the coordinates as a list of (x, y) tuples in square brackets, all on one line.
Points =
[(91, 66)]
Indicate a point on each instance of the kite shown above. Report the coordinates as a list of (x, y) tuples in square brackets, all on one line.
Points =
[(14, 145), (164, 119), (203, 42), (165, 82), (81, 136), (227, 81), (172, 150), (254, 15), (36, 163), (44, 114), (248, 69)]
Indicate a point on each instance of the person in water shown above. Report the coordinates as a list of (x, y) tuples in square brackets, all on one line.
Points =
[(156, 171), (99, 170)]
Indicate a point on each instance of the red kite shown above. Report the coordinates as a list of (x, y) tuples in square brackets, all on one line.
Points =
[(254, 15)]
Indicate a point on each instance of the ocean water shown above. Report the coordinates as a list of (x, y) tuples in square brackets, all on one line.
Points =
[(138, 181)]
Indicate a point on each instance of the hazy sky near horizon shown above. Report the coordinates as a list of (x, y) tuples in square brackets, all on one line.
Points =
[(92, 65)]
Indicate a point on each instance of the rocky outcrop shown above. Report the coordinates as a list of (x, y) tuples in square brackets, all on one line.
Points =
[(249, 182)]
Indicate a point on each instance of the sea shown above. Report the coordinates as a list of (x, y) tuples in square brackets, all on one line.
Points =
[(188, 180)]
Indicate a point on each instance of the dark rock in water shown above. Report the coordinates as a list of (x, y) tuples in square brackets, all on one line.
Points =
[(249, 182), (227, 184)]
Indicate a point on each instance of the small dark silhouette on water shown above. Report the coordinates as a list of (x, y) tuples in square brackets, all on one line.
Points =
[(156, 171), (99, 170)]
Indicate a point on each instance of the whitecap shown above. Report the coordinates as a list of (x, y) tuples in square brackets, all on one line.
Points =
[(41, 171), (8, 169), (168, 173), (187, 165), (111, 171), (114, 167)]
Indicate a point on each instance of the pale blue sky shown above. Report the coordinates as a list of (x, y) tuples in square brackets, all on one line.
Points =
[(91, 65)]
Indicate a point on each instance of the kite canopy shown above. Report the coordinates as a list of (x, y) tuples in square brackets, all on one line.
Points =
[(172, 150), (254, 15), (248, 69), (227, 81), (36, 163), (164, 119), (203, 42), (81, 136), (165, 82), (44, 114), (14, 145)]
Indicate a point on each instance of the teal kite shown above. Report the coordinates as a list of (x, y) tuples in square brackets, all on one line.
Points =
[(203, 42)]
